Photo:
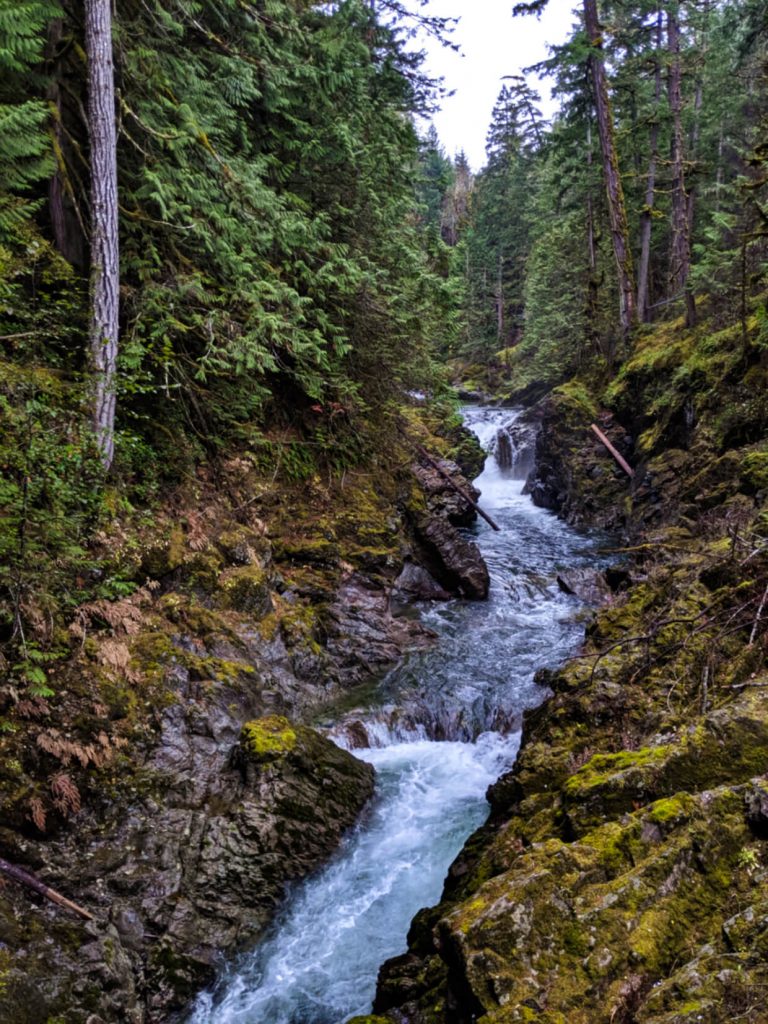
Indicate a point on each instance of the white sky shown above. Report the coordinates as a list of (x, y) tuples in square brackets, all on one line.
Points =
[(493, 44)]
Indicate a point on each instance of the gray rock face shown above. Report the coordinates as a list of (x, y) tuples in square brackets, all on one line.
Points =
[(176, 883), (589, 585), (415, 584), (459, 560), (363, 635), (515, 447), (442, 499)]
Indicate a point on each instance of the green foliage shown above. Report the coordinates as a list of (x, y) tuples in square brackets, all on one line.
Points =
[(50, 499), (25, 150), (269, 247)]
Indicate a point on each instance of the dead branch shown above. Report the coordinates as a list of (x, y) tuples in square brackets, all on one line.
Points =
[(24, 878), (619, 458)]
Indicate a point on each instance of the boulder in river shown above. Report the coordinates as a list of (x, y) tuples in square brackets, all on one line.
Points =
[(457, 560), (416, 584)]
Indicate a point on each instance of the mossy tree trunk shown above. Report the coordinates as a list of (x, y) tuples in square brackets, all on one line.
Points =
[(105, 264), (646, 217), (617, 211), (680, 250)]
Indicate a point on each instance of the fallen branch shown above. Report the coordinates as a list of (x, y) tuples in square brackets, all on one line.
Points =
[(448, 479), (619, 458), (24, 878), (459, 490)]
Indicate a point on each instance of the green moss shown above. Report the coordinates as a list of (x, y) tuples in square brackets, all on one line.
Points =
[(575, 395), (670, 809), (266, 739), (754, 471), (246, 589), (602, 767)]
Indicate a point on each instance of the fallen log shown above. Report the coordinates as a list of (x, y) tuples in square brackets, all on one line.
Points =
[(459, 490), (619, 458), (24, 878)]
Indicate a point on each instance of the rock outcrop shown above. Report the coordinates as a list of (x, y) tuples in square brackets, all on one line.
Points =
[(191, 869), (136, 790)]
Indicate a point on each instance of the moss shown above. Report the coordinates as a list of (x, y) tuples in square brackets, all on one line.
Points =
[(603, 768), (670, 810), (243, 545), (754, 471), (575, 395), (176, 548), (317, 550), (246, 589), (266, 739), (369, 1019)]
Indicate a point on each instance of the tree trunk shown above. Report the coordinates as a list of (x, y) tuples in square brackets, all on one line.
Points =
[(646, 218), (105, 264), (617, 212), (680, 249), (593, 282), (500, 302)]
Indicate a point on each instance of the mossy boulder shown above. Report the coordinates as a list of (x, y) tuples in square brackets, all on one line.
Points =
[(581, 931), (247, 589), (243, 545), (267, 739), (729, 745)]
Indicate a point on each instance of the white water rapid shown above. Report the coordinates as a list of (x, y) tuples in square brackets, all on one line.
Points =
[(436, 746)]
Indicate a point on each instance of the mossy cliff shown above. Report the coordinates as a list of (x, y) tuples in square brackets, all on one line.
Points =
[(168, 781), (623, 873)]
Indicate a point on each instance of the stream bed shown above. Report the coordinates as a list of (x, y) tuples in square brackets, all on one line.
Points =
[(444, 726)]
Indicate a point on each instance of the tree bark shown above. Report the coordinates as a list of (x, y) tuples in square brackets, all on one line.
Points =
[(646, 218), (500, 302), (617, 212), (593, 282), (105, 260), (680, 249)]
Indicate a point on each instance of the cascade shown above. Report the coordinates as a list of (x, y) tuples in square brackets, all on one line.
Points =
[(444, 726)]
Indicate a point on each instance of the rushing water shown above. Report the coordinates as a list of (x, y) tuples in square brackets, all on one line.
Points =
[(445, 725)]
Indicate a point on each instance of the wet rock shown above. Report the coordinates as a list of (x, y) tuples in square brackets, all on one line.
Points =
[(756, 801), (515, 446), (574, 475), (442, 499), (415, 584), (589, 585), (243, 813), (362, 635), (456, 561)]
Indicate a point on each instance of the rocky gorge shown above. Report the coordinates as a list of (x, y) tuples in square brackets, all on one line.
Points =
[(166, 790), (622, 873)]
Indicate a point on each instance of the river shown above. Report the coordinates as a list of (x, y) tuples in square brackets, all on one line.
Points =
[(445, 724)]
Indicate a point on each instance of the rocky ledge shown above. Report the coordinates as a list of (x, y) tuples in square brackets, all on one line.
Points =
[(181, 875)]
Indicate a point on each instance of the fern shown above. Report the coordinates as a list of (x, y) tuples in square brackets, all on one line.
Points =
[(26, 156)]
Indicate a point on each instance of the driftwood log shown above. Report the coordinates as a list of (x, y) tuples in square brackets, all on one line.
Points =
[(24, 878), (619, 458)]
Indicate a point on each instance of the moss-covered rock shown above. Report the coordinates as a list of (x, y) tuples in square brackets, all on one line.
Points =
[(246, 589), (266, 739)]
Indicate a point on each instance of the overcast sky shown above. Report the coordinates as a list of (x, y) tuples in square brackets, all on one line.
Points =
[(493, 44)]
